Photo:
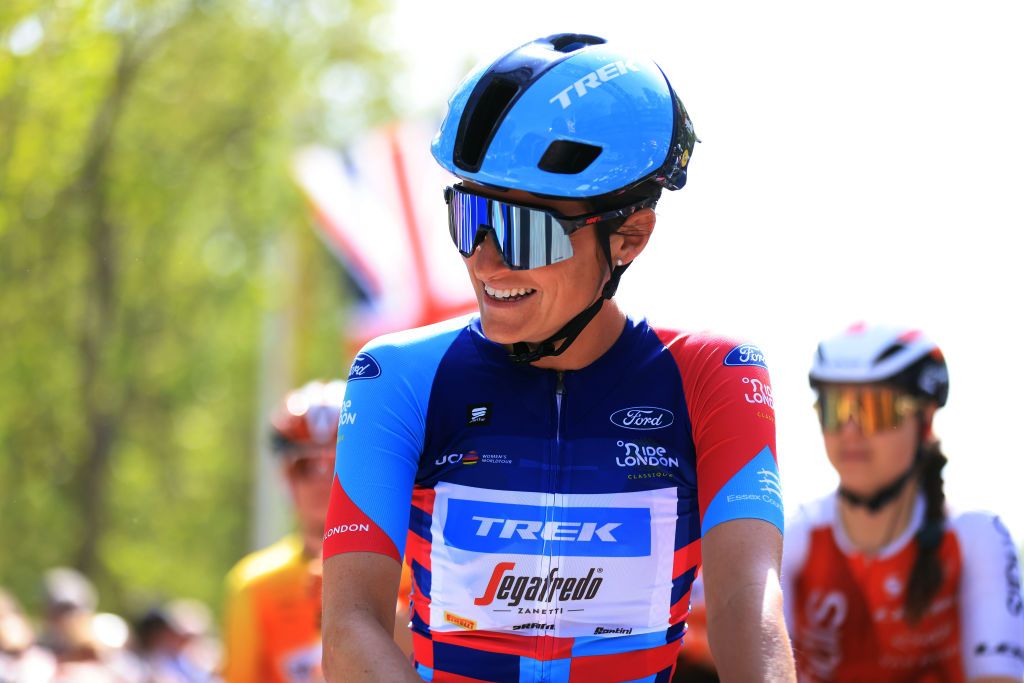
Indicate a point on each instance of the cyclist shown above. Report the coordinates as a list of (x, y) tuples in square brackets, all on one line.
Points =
[(272, 613), (882, 581), (568, 468)]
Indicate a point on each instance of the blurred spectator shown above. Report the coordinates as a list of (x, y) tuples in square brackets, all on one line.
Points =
[(171, 643), (21, 661), (272, 615)]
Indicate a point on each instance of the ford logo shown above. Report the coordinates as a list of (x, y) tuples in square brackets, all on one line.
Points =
[(642, 417), (364, 366), (745, 354)]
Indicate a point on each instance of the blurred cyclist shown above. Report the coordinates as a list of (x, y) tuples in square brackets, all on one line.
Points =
[(568, 468), (272, 614), (882, 581)]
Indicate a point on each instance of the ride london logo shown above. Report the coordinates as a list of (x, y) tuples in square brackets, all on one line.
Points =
[(745, 354), (364, 366)]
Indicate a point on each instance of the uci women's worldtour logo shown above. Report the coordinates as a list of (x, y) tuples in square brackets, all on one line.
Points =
[(364, 366), (642, 418), (745, 354)]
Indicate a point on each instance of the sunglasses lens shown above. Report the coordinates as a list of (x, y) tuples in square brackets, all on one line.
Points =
[(526, 237), (872, 409)]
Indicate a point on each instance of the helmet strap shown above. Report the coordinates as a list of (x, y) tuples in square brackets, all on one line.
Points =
[(522, 351)]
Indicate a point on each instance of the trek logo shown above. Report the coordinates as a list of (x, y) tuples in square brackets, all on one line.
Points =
[(512, 589), (745, 354), (642, 417), (593, 80), (364, 366), (478, 415), (486, 527)]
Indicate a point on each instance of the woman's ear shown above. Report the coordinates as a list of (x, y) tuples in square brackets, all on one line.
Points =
[(632, 237)]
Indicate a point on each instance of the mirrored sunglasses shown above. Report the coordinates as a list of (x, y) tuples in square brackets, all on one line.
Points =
[(527, 237), (873, 409)]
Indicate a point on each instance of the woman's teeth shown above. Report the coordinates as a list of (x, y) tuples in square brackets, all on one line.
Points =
[(507, 293)]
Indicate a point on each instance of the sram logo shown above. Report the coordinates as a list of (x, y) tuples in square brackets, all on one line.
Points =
[(487, 527)]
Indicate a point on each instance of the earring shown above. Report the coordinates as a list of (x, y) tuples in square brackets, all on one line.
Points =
[(618, 262)]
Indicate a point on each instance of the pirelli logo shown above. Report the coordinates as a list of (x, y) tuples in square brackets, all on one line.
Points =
[(461, 622)]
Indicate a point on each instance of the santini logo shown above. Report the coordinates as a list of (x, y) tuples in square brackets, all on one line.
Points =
[(364, 366), (642, 417), (745, 354), (486, 527)]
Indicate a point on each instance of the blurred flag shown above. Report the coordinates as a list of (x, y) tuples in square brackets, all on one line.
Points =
[(379, 208)]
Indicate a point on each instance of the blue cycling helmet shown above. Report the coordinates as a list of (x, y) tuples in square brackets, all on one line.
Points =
[(566, 116)]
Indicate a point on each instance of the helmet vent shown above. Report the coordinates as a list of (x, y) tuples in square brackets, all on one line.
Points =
[(891, 351), (570, 42), (482, 123), (568, 157)]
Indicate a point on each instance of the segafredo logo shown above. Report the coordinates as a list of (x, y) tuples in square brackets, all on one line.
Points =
[(745, 354), (364, 366), (642, 417), (594, 79)]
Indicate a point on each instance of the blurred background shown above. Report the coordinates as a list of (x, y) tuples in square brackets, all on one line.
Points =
[(204, 203)]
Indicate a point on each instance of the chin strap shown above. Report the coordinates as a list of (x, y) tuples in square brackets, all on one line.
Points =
[(885, 495), (523, 353)]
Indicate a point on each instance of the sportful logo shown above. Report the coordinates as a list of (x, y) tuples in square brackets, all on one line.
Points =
[(364, 366), (745, 354), (478, 415), (642, 417), (761, 392), (594, 79), (486, 527)]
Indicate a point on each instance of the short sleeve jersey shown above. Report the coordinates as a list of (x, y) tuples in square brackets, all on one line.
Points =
[(845, 610), (552, 519), (272, 617)]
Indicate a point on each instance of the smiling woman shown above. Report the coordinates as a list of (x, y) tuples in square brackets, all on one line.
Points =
[(569, 468)]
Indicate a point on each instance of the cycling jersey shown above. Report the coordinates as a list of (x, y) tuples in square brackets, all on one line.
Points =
[(556, 517), (272, 617), (845, 610)]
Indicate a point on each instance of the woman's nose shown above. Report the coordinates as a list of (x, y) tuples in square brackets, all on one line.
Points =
[(486, 258)]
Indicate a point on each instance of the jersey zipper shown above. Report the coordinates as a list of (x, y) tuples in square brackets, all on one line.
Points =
[(552, 509)]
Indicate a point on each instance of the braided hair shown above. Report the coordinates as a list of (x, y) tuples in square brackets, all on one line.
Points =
[(927, 574)]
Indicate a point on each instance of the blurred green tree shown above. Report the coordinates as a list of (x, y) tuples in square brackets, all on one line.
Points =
[(145, 198)]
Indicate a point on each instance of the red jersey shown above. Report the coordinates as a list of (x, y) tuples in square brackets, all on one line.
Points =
[(845, 609)]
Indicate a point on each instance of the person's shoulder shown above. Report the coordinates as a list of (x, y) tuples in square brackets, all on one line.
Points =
[(731, 349), (417, 338), (261, 566), (812, 514), (970, 524)]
